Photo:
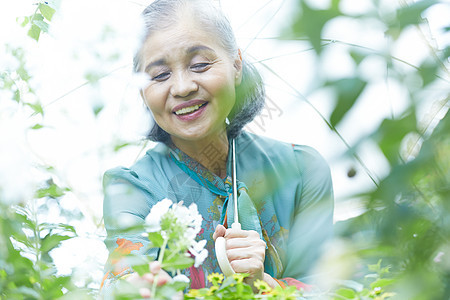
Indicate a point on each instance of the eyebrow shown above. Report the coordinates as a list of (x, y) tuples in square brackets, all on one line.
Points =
[(198, 48), (159, 62), (190, 50)]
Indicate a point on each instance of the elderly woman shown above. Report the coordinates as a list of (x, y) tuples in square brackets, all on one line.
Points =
[(201, 92)]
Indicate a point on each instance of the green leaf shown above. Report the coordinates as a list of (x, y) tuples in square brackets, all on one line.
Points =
[(22, 238), (427, 71), (168, 291), (52, 241), (142, 269), (156, 239), (37, 126), (310, 23), (93, 76), (16, 96), (229, 281), (411, 14), (357, 56), (408, 15), (52, 191), (25, 220), (178, 285), (120, 146), (351, 284), (375, 267), (97, 109), (24, 22), (46, 11), (178, 262), (60, 226), (446, 53), (346, 293), (382, 282), (37, 107), (23, 73), (139, 263), (348, 90), (34, 32), (42, 25), (391, 133)]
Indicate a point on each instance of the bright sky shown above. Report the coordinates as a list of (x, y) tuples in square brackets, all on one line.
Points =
[(97, 37)]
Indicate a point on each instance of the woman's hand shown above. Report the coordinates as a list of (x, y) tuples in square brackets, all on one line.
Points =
[(146, 281), (245, 251)]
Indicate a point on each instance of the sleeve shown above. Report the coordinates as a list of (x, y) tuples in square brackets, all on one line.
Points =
[(312, 224), (125, 206)]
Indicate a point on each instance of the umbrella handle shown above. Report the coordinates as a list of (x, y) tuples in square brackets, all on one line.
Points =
[(221, 253)]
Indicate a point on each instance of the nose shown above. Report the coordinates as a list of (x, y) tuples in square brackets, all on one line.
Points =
[(183, 85)]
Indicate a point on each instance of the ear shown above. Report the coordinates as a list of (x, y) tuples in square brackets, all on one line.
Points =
[(238, 67)]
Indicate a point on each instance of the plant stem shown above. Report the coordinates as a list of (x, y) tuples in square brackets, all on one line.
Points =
[(160, 260)]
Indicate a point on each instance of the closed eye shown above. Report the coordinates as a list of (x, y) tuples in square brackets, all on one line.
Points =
[(200, 67), (161, 76)]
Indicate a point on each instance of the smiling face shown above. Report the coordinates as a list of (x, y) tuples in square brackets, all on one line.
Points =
[(192, 81)]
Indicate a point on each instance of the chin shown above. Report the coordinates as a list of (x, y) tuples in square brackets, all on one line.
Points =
[(192, 137), (196, 135)]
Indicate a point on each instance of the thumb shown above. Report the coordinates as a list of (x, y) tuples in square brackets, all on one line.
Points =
[(220, 232)]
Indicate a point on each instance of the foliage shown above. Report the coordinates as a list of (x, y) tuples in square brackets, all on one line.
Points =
[(27, 269), (234, 287), (406, 220), (171, 228)]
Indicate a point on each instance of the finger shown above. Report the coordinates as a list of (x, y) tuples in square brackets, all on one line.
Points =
[(145, 292), (251, 266), (220, 232), (238, 233), (246, 253), (234, 243), (155, 267), (163, 279), (148, 277), (134, 278)]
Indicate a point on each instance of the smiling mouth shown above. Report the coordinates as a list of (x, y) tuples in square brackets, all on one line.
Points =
[(188, 110)]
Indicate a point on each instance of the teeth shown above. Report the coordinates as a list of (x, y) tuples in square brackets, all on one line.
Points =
[(187, 110)]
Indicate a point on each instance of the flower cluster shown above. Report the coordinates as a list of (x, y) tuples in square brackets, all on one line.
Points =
[(171, 227), (176, 226), (234, 287)]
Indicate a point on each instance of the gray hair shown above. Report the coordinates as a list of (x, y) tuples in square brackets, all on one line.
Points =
[(250, 94)]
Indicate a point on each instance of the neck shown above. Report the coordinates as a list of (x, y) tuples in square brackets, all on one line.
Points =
[(211, 152)]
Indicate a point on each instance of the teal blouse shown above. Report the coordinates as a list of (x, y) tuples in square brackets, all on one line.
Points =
[(285, 194)]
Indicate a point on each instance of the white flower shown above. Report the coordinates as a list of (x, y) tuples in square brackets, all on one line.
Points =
[(200, 258), (199, 252), (181, 213), (187, 222), (190, 218), (181, 278), (153, 220), (196, 217)]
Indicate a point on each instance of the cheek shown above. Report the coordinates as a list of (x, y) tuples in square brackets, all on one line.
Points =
[(222, 86), (154, 99)]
